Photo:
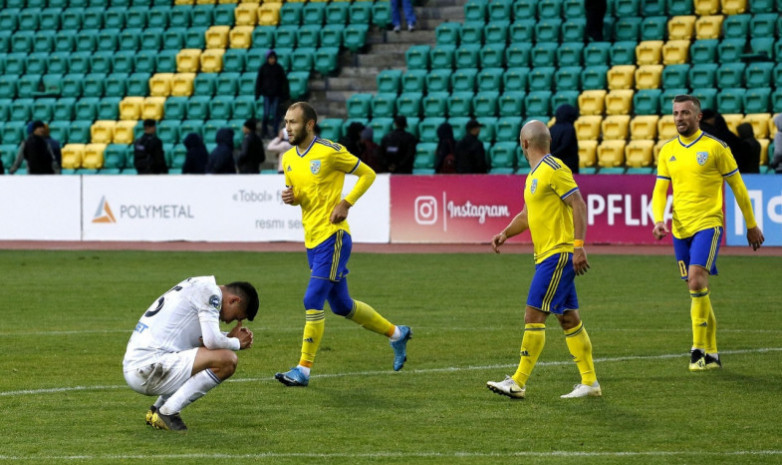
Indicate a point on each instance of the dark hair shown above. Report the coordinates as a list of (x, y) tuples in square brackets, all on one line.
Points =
[(248, 294), (688, 98), (307, 110), (149, 123), (251, 124)]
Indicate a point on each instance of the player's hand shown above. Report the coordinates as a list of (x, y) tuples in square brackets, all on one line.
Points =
[(497, 241), (660, 231), (755, 237), (580, 262), (288, 197), (340, 212)]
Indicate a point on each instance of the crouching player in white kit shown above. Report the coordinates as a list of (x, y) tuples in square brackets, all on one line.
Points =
[(177, 351)]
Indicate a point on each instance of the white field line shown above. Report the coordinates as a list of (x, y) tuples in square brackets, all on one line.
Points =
[(387, 372)]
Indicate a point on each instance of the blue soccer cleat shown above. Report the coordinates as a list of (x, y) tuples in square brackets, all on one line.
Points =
[(294, 377), (400, 347)]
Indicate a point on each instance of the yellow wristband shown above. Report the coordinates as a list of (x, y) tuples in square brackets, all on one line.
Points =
[(578, 243)]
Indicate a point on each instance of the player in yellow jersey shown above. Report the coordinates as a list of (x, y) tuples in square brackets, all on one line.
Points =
[(697, 164), (315, 171), (555, 214)]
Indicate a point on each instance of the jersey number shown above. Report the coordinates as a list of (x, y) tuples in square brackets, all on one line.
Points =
[(160, 302)]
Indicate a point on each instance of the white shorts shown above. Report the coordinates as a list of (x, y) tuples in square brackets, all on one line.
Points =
[(163, 376)]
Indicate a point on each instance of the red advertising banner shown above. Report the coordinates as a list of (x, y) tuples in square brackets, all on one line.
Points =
[(472, 208)]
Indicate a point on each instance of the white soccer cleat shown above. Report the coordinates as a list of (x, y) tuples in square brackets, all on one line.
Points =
[(584, 390), (507, 387)]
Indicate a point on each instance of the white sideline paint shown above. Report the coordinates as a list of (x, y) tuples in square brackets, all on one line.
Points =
[(412, 372)]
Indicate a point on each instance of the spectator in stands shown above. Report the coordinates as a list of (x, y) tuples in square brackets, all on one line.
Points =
[(397, 148), (37, 152), (278, 146), (351, 138), (595, 13), (776, 162), (251, 154), (148, 155), (54, 144), (749, 161), (221, 160), (272, 84), (564, 144), (197, 156), (714, 124), (369, 151), (470, 155), (445, 160), (396, 19)]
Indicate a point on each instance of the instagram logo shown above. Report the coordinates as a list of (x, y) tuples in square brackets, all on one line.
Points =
[(425, 210)]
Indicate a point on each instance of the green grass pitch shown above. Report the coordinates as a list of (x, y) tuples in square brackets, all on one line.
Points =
[(67, 317)]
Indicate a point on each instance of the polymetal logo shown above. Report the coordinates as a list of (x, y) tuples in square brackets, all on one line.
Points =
[(104, 213)]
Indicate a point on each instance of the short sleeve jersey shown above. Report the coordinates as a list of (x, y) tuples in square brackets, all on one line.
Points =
[(550, 218), (317, 177), (696, 167)]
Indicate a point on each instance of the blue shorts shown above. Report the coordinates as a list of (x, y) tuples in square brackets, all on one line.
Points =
[(700, 249), (553, 289), (329, 259)]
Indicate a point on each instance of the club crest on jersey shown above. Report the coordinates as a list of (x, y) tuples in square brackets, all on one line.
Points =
[(702, 157), (315, 166), (534, 186), (214, 301)]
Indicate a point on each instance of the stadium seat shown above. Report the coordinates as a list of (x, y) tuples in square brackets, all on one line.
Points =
[(611, 154), (676, 76), (615, 127), (587, 154), (592, 102), (705, 51), (515, 79), (518, 55), (597, 53), (676, 52), (330, 128), (303, 59), (475, 10), (569, 54), (760, 124), (639, 154), (627, 28), (649, 52), (290, 13), (563, 97), (464, 80), (102, 132), (246, 14), (221, 107), (507, 129), (667, 96), (269, 14), (730, 75), (491, 56), (485, 103), (621, 77), (466, 56), (541, 78), (647, 101), (414, 80), (438, 80), (496, 32), (757, 100), (733, 7), (359, 105), (511, 103), (706, 7), (707, 96), (730, 50), (758, 74), (86, 108), (654, 28), (538, 102), (703, 75), (489, 124), (666, 128), (573, 29), (499, 10), (568, 78), (736, 26), (503, 157), (732, 120), (708, 27), (360, 13), (435, 104), (626, 8), (441, 56), (522, 30), (427, 129), (447, 33), (548, 29), (424, 160), (623, 53), (460, 103), (594, 78), (489, 79), (381, 14), (240, 37), (544, 54), (648, 76), (644, 127), (619, 102), (417, 57), (762, 47), (72, 155), (763, 25)]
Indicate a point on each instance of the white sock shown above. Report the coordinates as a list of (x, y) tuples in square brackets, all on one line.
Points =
[(193, 389), (303, 369), (397, 334), (161, 400)]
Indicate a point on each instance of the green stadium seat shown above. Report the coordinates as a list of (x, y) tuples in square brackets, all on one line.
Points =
[(409, 104), (458, 124), (776, 97), (439, 80), (730, 50), (503, 157), (355, 37), (151, 39), (389, 80), (136, 17), (757, 100), (623, 53), (731, 75), (114, 17), (380, 127), (417, 57), (703, 75), (290, 13), (246, 84), (522, 31), (647, 102), (137, 84), (22, 41), (678, 8), (381, 14), (544, 54), (93, 18), (27, 86), (313, 13), (463, 80), (13, 133), (57, 62), (86, 108), (499, 10), (538, 102), (102, 61), (624, 8), (115, 156), (93, 85), (441, 57), (160, 17), (627, 28), (730, 101), (63, 109), (485, 103), (525, 9), (507, 129), (492, 56), (446, 33), (511, 103), (303, 59), (43, 42), (79, 132), (568, 78), (195, 37), (548, 30), (71, 19), (573, 30), (50, 19), (666, 99), (298, 83), (518, 55), (108, 108), (360, 13), (597, 53), (328, 36), (175, 108), (736, 26), (331, 128), (460, 103), (337, 13), (204, 84), (36, 63), (21, 110), (123, 61), (427, 128), (198, 107), (708, 97), (466, 56), (43, 108), (58, 129), (758, 74), (423, 163), (763, 46), (569, 54), (221, 107), (541, 78), (180, 16), (263, 37), (496, 32), (326, 60), (549, 9), (515, 79), (285, 36), (72, 85), (654, 28), (414, 80), (284, 55), (79, 62), (227, 84), (245, 107), (145, 61), (254, 58), (211, 127), (234, 60), (675, 76), (15, 63), (471, 33), (87, 40), (129, 39), (562, 97), (475, 10), (359, 105), (116, 84), (763, 25), (490, 79), (435, 104)]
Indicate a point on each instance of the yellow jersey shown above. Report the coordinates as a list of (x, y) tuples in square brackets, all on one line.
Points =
[(696, 167), (550, 219), (317, 177)]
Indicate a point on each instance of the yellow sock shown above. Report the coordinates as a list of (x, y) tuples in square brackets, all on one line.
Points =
[(580, 347), (531, 346), (699, 313), (368, 317), (313, 333), (711, 330)]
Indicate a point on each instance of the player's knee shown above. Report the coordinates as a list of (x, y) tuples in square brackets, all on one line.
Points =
[(341, 306), (227, 363), (312, 301)]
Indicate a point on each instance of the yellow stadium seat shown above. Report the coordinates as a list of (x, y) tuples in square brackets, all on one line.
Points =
[(733, 120), (183, 2), (706, 7), (212, 60), (256, 2), (676, 52), (205, 2), (734, 7), (93, 156), (124, 132), (639, 153), (241, 37), (620, 77), (269, 14), (649, 52), (188, 60), (227, 2), (592, 102), (764, 151), (648, 76), (615, 127), (611, 153), (130, 108), (152, 108), (759, 122), (657, 148), (681, 27), (588, 127), (709, 27), (619, 102), (160, 84), (72, 155), (587, 153), (182, 85), (102, 132), (666, 128), (644, 127), (217, 36), (246, 14)]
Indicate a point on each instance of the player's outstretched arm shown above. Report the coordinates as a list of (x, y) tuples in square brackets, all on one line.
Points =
[(518, 225)]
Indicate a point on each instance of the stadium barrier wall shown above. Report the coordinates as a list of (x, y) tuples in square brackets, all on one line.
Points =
[(45, 208), (765, 191)]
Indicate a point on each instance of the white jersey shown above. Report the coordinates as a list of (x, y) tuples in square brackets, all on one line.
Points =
[(178, 321)]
